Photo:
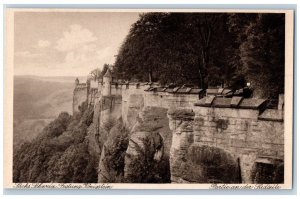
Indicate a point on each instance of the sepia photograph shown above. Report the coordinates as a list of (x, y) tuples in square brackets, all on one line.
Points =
[(189, 99)]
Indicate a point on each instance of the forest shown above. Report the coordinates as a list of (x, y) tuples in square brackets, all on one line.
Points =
[(59, 153), (206, 50)]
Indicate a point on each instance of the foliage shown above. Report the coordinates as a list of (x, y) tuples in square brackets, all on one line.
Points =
[(262, 55), (109, 124), (98, 73), (59, 153), (205, 49), (114, 150), (143, 167), (172, 47)]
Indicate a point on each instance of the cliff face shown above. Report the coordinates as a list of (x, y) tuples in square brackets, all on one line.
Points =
[(122, 144), (147, 155), (143, 137), (107, 111)]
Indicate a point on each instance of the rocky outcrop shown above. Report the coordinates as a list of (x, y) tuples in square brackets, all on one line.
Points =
[(147, 155), (181, 124), (111, 164), (135, 105)]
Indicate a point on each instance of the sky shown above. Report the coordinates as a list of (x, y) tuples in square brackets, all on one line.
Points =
[(67, 43)]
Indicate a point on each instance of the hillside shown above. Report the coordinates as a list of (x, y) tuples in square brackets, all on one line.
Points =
[(37, 101), (58, 154)]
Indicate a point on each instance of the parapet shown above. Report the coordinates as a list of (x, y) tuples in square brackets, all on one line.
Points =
[(233, 102), (217, 91), (243, 103), (176, 90)]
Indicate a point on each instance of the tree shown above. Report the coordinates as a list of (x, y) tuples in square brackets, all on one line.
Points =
[(206, 49), (59, 153), (98, 73), (140, 51), (262, 55), (175, 47)]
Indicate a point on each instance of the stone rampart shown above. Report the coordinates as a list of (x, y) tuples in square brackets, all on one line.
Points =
[(214, 139), (241, 129)]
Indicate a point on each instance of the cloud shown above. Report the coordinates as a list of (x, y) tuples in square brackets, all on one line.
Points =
[(43, 44), (82, 51), (75, 38), (76, 53)]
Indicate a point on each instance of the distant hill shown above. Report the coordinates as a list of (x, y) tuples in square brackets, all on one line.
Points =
[(37, 101), (62, 79)]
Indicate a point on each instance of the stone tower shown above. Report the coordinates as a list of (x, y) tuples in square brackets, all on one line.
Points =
[(107, 79), (76, 81)]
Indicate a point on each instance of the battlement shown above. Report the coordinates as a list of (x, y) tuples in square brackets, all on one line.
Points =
[(177, 95)]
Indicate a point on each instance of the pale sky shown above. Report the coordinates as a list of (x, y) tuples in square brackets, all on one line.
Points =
[(68, 43)]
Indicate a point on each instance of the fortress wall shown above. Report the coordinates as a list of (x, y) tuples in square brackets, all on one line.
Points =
[(134, 98), (240, 133), (111, 107), (132, 102), (79, 95), (229, 134), (245, 135)]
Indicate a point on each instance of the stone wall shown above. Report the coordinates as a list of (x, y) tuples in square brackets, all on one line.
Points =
[(80, 95), (245, 135), (213, 139)]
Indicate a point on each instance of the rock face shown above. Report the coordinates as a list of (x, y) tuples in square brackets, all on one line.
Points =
[(135, 105), (111, 165), (93, 134), (147, 155)]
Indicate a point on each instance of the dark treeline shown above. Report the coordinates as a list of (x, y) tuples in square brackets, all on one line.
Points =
[(206, 49)]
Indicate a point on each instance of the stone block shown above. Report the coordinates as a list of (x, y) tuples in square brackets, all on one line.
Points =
[(272, 115), (181, 114), (209, 124), (199, 120), (280, 154), (252, 103), (266, 146), (211, 118), (240, 136), (231, 121), (206, 139), (209, 100), (221, 102), (238, 143), (212, 91), (235, 101), (254, 144), (267, 152), (242, 125)]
